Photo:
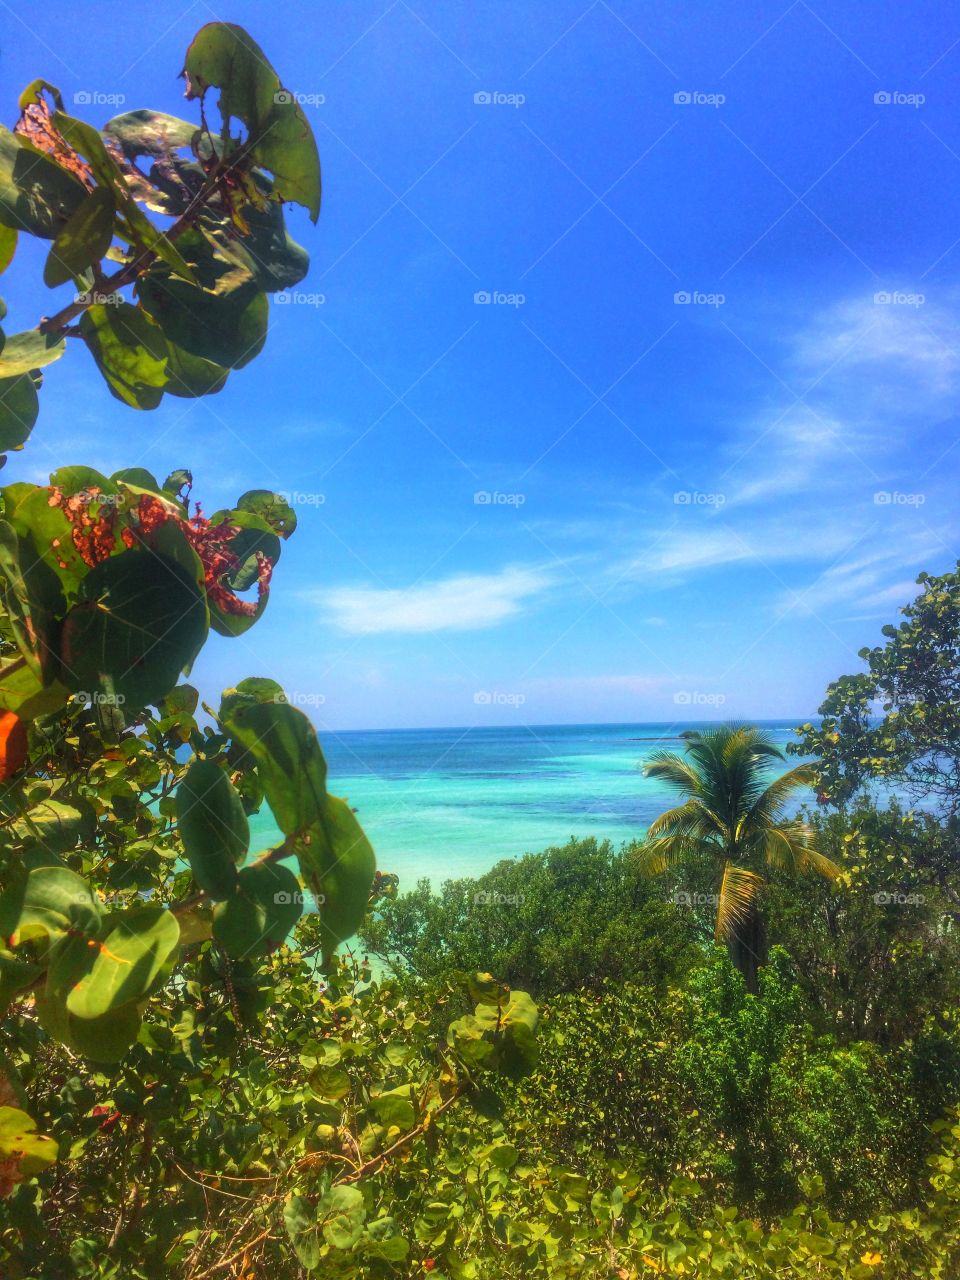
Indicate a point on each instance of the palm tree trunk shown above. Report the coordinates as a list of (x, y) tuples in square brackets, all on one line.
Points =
[(747, 947)]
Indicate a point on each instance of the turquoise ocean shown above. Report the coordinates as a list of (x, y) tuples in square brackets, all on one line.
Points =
[(444, 803)]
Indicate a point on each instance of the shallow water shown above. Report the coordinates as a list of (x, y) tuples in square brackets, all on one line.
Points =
[(441, 803)]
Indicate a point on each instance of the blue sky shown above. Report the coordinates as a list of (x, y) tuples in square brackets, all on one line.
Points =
[(695, 508)]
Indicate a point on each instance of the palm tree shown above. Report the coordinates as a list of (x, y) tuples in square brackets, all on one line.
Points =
[(732, 821)]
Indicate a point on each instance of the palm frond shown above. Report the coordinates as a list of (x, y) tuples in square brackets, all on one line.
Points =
[(690, 818), (738, 892), (790, 848), (656, 856), (668, 767)]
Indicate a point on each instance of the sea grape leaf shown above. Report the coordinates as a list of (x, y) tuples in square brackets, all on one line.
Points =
[(36, 195), (189, 376), (88, 142), (260, 914), (338, 862), (272, 508), (32, 598), (84, 240), (20, 1144), (137, 476), (23, 692), (302, 1229), (24, 352), (284, 745), (128, 961), (8, 247), (49, 902), (267, 254), (213, 827), (222, 318), (279, 139), (19, 410), (139, 620), (341, 1215), (103, 1039), (15, 974), (130, 351), (150, 133), (254, 535)]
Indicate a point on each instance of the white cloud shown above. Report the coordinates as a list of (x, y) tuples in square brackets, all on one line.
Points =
[(920, 343), (874, 581), (467, 602)]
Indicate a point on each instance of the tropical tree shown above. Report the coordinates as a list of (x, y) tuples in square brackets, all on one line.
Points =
[(734, 821)]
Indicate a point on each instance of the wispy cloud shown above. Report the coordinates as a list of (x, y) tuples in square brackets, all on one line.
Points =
[(466, 602)]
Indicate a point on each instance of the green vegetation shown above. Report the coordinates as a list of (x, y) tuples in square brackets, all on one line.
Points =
[(194, 1083)]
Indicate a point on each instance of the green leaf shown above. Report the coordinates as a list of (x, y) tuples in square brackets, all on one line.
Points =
[(395, 1106), (339, 864), (19, 1142), (85, 139), (340, 1215), (8, 247), (279, 139), (48, 903), (221, 319), (36, 195), (15, 974), (84, 240), (139, 621), (19, 410), (284, 744), (150, 133), (270, 507), (24, 352), (103, 1039), (254, 535), (129, 959), (213, 827), (301, 1227), (33, 600), (130, 351), (260, 914), (189, 376)]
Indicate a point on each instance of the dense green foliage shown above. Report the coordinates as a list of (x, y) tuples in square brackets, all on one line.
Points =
[(569, 917), (899, 721)]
